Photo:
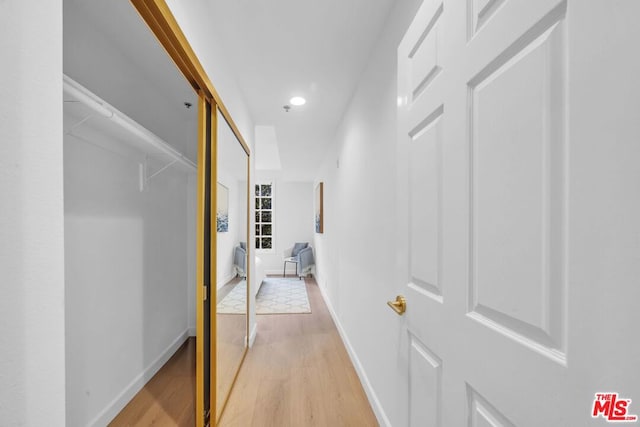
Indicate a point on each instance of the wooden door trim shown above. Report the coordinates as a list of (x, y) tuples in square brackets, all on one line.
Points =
[(200, 292), (163, 25)]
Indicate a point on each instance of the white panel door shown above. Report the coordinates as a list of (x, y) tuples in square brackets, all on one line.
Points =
[(519, 212)]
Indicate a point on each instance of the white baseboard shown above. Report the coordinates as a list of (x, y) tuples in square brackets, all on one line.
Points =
[(125, 396), (191, 332), (253, 334), (318, 280), (366, 384), (278, 273)]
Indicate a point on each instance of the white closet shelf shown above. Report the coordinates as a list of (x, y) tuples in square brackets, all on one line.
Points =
[(98, 114)]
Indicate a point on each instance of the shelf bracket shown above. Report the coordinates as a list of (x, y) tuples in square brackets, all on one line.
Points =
[(143, 172), (78, 124)]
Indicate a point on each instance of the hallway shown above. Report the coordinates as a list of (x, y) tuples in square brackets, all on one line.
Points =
[(475, 161), (297, 373)]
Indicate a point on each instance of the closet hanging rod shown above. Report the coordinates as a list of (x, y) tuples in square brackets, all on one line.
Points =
[(91, 100)]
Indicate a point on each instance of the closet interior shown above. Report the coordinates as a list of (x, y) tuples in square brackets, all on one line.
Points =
[(130, 155)]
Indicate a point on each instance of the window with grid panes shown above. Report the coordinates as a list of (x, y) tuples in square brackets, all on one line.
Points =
[(264, 216)]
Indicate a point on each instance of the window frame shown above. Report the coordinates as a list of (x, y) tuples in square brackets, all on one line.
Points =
[(258, 212)]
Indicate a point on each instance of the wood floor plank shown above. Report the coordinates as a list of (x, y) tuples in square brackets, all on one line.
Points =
[(168, 398), (298, 373)]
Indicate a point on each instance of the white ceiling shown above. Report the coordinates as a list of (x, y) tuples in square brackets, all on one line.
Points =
[(317, 49), (277, 49)]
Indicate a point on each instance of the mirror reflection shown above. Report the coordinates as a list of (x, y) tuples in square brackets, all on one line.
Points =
[(232, 262)]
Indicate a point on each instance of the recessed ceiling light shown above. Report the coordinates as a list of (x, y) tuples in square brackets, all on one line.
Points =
[(297, 100)]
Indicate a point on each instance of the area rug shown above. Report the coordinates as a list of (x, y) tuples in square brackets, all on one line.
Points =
[(236, 301), (282, 296), (276, 296)]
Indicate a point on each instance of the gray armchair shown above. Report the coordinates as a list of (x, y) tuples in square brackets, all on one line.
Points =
[(300, 254), (240, 259)]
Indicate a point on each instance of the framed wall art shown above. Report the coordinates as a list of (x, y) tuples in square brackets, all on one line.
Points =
[(222, 214), (319, 217)]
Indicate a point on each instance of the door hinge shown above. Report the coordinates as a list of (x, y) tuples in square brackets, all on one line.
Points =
[(207, 418), (206, 292)]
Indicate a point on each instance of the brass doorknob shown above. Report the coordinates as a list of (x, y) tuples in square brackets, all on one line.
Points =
[(399, 305)]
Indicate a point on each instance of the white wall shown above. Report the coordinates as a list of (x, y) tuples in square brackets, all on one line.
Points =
[(227, 241), (232, 173), (126, 272), (32, 366), (355, 256), (293, 204)]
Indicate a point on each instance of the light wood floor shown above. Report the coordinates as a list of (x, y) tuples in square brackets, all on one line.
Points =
[(232, 332), (168, 398), (298, 373)]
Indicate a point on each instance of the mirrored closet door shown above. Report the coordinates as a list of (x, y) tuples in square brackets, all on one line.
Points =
[(222, 260), (232, 259), (216, 280)]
